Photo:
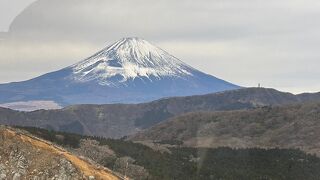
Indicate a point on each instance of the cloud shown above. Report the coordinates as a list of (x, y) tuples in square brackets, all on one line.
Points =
[(244, 41)]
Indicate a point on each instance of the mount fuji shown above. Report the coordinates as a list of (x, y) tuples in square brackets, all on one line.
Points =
[(129, 71)]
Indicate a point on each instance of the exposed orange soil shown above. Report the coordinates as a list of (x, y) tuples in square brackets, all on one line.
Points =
[(85, 167)]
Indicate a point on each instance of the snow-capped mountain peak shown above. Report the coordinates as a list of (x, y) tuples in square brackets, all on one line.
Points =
[(126, 60), (129, 71)]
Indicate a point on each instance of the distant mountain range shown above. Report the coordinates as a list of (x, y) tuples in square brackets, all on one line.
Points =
[(117, 120), (129, 71)]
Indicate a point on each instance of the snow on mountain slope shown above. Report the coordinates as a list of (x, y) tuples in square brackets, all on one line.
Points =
[(128, 59)]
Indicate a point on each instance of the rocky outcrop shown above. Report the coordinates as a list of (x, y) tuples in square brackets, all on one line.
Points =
[(25, 157)]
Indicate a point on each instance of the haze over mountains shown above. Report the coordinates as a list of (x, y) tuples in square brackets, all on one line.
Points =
[(129, 71)]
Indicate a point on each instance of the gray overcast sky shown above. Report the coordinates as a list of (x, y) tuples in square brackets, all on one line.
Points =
[(9, 9), (243, 41)]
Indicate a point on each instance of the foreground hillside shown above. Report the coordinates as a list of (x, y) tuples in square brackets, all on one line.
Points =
[(25, 157), (119, 120), (294, 126), (168, 160)]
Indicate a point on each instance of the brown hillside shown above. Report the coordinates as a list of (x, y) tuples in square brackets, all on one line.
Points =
[(294, 126)]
